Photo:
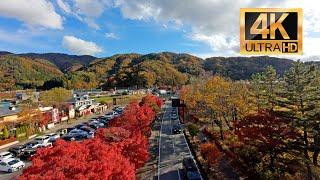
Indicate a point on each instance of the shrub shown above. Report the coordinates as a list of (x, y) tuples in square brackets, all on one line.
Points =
[(211, 153), (193, 130), (5, 133)]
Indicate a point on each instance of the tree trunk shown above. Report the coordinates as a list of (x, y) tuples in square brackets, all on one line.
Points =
[(306, 142), (221, 132), (272, 158), (315, 156)]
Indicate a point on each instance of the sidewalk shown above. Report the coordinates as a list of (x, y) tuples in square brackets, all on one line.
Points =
[(150, 169)]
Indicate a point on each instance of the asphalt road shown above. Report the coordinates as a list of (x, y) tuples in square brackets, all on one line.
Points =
[(173, 148)]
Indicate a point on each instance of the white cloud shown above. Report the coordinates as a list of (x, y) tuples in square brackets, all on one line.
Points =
[(111, 36), (32, 12), (214, 22), (89, 10), (64, 6), (79, 46)]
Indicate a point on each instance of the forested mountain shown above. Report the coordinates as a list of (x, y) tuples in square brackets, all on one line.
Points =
[(19, 72), (65, 62), (126, 69), (243, 67)]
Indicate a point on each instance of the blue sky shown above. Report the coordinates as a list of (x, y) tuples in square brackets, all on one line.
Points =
[(106, 27)]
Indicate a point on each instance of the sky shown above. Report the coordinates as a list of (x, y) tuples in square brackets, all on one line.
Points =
[(106, 27)]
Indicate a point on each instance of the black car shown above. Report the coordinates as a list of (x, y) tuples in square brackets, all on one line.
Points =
[(190, 169), (17, 150), (27, 154), (79, 126), (70, 129), (94, 126), (68, 137), (79, 137), (176, 129), (87, 129)]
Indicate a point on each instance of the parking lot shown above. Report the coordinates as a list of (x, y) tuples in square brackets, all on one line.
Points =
[(83, 129)]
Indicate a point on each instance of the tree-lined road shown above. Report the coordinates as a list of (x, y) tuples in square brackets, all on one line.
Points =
[(172, 149)]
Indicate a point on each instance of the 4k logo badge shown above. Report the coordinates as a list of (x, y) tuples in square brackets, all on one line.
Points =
[(270, 31)]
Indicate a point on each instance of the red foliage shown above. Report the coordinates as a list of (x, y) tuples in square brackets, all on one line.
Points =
[(210, 152), (135, 117), (115, 152), (46, 118), (265, 130), (152, 101), (91, 159)]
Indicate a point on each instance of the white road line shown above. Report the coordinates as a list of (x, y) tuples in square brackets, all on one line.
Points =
[(179, 174)]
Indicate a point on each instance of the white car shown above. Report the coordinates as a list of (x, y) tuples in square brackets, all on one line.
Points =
[(10, 165), (53, 136), (5, 155), (42, 139)]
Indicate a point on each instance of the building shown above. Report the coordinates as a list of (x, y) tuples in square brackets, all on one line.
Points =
[(8, 113), (81, 100)]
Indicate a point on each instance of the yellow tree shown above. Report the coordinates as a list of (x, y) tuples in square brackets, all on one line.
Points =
[(55, 96)]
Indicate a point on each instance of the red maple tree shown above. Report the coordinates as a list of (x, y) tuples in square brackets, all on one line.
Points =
[(90, 159), (115, 152), (266, 131)]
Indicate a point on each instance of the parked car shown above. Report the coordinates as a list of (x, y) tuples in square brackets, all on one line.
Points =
[(53, 136), (99, 124), (62, 132), (79, 137), (76, 131), (42, 139), (176, 129), (79, 126), (10, 165), (68, 137), (70, 129), (5, 155), (27, 154), (17, 150), (94, 126), (32, 144), (190, 169)]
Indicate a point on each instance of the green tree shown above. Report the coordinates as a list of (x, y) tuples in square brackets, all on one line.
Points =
[(55, 96), (265, 87), (300, 96), (5, 133)]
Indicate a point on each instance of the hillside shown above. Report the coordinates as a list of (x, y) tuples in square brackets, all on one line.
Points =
[(123, 70), (172, 69), (18, 72), (238, 68), (65, 62)]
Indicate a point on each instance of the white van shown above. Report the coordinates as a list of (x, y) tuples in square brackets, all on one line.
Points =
[(10, 165), (42, 139), (5, 155)]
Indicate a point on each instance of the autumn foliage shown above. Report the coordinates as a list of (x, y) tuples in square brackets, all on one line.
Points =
[(115, 152), (210, 152)]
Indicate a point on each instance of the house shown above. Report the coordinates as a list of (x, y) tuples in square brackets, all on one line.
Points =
[(8, 113)]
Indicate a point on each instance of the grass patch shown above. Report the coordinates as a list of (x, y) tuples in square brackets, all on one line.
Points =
[(121, 99)]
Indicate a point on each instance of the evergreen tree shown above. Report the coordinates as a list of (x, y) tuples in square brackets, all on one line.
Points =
[(300, 97), (265, 86)]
